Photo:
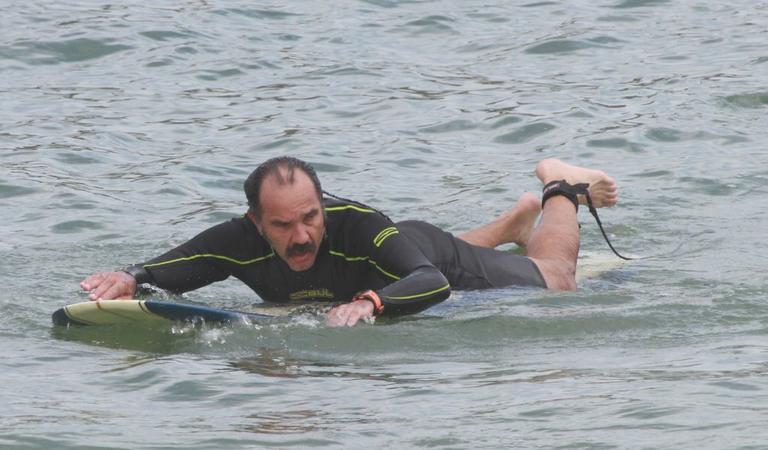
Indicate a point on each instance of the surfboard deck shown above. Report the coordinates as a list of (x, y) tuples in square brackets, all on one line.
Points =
[(109, 312), (595, 264)]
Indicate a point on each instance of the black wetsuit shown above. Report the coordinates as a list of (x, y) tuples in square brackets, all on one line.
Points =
[(362, 249)]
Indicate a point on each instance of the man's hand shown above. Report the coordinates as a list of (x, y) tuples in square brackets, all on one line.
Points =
[(109, 285), (349, 313)]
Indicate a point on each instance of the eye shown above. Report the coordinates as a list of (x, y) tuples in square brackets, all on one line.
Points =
[(310, 216)]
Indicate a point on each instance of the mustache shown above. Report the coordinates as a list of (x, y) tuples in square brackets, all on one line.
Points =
[(298, 249)]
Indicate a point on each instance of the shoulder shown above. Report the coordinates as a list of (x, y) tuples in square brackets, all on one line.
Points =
[(345, 213), (234, 232), (339, 207), (355, 224)]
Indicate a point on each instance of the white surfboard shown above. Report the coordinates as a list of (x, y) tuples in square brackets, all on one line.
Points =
[(107, 312)]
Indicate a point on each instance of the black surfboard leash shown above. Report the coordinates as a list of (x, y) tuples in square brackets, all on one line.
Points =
[(593, 211), (571, 192)]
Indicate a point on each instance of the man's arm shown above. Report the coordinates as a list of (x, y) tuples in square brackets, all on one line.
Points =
[(423, 288), (196, 263), (405, 296), (415, 285)]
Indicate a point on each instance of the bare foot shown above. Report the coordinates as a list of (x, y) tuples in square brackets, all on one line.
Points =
[(602, 188), (515, 225)]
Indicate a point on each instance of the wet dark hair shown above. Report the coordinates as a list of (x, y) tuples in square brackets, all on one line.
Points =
[(252, 185)]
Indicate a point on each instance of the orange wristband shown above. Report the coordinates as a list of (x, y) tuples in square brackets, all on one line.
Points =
[(372, 297)]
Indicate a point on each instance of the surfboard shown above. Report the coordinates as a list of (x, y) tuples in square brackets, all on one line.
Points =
[(109, 312), (594, 264)]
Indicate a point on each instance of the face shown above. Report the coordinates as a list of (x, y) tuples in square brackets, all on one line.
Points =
[(292, 219)]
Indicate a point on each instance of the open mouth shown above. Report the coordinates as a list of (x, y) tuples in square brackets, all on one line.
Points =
[(301, 254)]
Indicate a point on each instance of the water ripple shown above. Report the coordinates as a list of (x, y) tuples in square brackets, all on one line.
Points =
[(11, 190), (431, 25), (454, 125), (627, 4), (750, 100), (270, 14), (557, 46), (525, 133), (616, 143), (66, 51), (166, 35)]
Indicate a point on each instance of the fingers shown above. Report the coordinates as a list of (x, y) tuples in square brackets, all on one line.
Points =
[(91, 282), (109, 285), (349, 314), (341, 316), (337, 317)]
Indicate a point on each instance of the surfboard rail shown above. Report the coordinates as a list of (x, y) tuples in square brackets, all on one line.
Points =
[(109, 312)]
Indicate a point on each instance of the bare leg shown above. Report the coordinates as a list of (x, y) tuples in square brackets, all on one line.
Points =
[(514, 225), (554, 244)]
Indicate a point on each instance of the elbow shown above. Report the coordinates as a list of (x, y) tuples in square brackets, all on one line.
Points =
[(433, 288), (442, 286), (444, 294)]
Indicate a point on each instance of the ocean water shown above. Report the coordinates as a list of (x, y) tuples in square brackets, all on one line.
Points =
[(128, 127)]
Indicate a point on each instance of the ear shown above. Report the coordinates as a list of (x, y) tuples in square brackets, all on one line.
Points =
[(252, 217)]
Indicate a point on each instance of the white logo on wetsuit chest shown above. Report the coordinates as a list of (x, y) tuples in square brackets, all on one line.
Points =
[(321, 293)]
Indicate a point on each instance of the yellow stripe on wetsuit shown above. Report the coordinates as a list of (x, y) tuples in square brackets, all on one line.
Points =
[(425, 294), (211, 255), (384, 234), (379, 239), (366, 259), (343, 207)]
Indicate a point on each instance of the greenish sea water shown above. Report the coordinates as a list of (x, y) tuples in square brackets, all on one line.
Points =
[(126, 128)]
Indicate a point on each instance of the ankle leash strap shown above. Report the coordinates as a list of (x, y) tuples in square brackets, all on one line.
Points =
[(571, 192)]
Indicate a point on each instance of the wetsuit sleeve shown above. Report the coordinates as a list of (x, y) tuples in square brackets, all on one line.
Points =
[(416, 283), (202, 260), (419, 290)]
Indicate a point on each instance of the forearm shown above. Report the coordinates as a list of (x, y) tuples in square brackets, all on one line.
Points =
[(178, 272), (202, 260), (422, 289), (185, 268)]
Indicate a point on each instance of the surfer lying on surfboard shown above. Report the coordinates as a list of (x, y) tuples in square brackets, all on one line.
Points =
[(295, 244)]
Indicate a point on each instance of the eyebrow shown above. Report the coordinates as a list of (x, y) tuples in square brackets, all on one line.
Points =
[(311, 212), (280, 222)]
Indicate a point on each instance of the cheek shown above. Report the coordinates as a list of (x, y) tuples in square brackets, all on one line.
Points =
[(272, 238), (319, 231)]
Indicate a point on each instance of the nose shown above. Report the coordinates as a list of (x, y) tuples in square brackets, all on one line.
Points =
[(301, 234)]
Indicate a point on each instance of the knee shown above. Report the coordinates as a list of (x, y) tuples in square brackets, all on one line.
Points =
[(558, 274), (562, 283)]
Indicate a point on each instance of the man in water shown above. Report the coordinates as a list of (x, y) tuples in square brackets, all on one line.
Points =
[(293, 245)]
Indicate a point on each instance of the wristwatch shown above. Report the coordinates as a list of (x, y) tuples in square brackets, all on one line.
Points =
[(139, 273), (372, 297)]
